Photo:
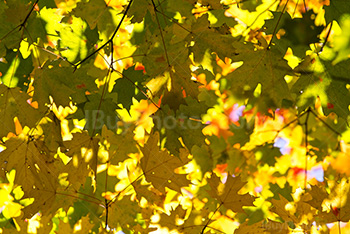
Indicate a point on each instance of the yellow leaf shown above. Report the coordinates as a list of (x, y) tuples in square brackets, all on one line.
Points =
[(227, 193), (158, 166), (83, 151), (279, 207), (12, 209)]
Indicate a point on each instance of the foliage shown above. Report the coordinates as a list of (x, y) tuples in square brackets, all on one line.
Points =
[(174, 115)]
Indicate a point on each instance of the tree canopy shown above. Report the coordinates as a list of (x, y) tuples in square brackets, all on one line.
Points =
[(182, 116)]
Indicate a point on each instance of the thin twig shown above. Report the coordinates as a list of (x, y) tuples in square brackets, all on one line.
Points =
[(306, 144), (326, 124), (109, 40), (206, 225), (27, 17), (278, 21), (161, 34), (327, 36)]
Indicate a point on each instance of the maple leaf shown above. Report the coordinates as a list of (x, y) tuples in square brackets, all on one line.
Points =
[(98, 111), (90, 198), (285, 191), (18, 70), (241, 133), (139, 229), (335, 10), (292, 36), (170, 221), (91, 11), (185, 124), (13, 103), (12, 15), (192, 223), (268, 153), (279, 207), (52, 80), (202, 157), (130, 86), (36, 172), (207, 38), (341, 212), (158, 166), (329, 86), (82, 150), (182, 6), (227, 193), (123, 212), (120, 144), (32, 165), (337, 91), (261, 66), (245, 228), (272, 227), (181, 87), (76, 39), (138, 10), (52, 125), (195, 59), (152, 195)]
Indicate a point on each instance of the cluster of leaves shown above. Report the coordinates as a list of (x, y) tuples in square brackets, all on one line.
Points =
[(174, 115)]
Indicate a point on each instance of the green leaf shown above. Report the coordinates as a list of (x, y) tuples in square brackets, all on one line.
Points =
[(14, 103), (336, 9), (249, 5), (47, 4), (185, 124), (329, 84), (337, 92), (218, 18), (158, 166), (294, 36), (76, 39), (241, 133), (16, 70), (261, 66), (207, 38), (202, 157), (130, 86), (100, 111), (59, 82), (91, 11), (342, 41), (267, 154), (181, 6), (138, 10), (120, 144), (286, 191), (217, 145)]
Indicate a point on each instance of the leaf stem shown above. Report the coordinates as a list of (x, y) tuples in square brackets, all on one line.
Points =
[(325, 123), (306, 144), (30, 12), (209, 220), (110, 39), (161, 33), (278, 21), (327, 36)]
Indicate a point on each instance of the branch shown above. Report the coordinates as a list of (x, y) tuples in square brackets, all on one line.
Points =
[(109, 40)]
